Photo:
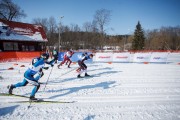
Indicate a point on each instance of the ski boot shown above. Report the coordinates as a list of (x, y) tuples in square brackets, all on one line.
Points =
[(10, 87), (87, 75), (79, 76), (32, 98), (58, 66)]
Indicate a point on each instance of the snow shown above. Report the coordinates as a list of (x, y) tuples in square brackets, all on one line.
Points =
[(117, 91), (20, 34)]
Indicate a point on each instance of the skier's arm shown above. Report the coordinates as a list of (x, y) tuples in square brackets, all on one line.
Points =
[(51, 62), (85, 58)]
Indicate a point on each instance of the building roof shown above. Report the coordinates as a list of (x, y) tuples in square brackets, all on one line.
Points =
[(10, 30)]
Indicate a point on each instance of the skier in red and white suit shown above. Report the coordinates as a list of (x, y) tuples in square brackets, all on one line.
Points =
[(67, 57)]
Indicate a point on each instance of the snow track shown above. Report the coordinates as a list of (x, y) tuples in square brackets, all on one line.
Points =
[(116, 92)]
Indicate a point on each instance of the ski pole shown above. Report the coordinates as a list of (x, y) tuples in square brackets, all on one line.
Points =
[(67, 72), (48, 78)]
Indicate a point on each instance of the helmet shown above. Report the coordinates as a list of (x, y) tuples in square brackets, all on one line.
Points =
[(45, 56)]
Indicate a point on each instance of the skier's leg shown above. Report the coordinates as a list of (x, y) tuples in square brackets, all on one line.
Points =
[(69, 63), (85, 69), (64, 60), (80, 69), (20, 84), (56, 59), (35, 89), (33, 80)]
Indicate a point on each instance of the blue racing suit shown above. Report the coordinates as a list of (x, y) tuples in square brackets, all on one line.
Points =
[(33, 74)]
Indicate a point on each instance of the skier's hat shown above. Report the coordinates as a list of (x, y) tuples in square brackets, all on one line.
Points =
[(91, 55)]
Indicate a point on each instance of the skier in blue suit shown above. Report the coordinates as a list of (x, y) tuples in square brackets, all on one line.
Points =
[(82, 66), (33, 74)]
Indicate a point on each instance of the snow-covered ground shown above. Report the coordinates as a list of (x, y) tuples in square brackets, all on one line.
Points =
[(117, 91)]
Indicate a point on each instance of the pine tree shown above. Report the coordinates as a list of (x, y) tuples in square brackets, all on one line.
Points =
[(139, 39)]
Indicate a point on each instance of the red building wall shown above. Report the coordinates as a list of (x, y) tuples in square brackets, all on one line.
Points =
[(18, 56)]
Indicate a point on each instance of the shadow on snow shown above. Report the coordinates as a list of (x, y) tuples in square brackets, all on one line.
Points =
[(106, 68), (104, 85), (7, 110), (75, 78), (90, 117)]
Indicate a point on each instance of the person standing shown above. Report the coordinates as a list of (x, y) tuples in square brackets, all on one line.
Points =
[(55, 54), (33, 74)]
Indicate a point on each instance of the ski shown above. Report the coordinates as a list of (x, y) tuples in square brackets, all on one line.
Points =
[(41, 101), (32, 101), (14, 95), (86, 77)]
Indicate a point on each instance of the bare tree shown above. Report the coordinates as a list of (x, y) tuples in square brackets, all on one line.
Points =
[(52, 32), (10, 11), (52, 25), (43, 22), (102, 18), (166, 38), (75, 28), (87, 26)]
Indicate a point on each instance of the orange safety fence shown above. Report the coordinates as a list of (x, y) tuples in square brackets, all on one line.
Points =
[(18, 56)]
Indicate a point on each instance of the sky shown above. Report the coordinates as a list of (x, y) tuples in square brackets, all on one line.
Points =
[(125, 14)]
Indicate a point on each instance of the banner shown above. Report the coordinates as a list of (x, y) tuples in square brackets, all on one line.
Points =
[(141, 57), (61, 56), (159, 57), (103, 57), (121, 57)]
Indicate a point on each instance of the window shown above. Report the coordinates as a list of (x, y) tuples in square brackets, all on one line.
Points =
[(10, 46), (31, 48), (16, 46), (23, 48)]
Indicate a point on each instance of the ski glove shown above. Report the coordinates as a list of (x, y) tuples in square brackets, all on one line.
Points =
[(46, 68)]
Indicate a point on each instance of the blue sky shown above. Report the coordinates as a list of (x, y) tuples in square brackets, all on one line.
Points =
[(125, 14)]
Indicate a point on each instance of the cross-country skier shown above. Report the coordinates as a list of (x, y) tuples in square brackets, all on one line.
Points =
[(55, 54), (67, 57), (33, 74), (82, 66)]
